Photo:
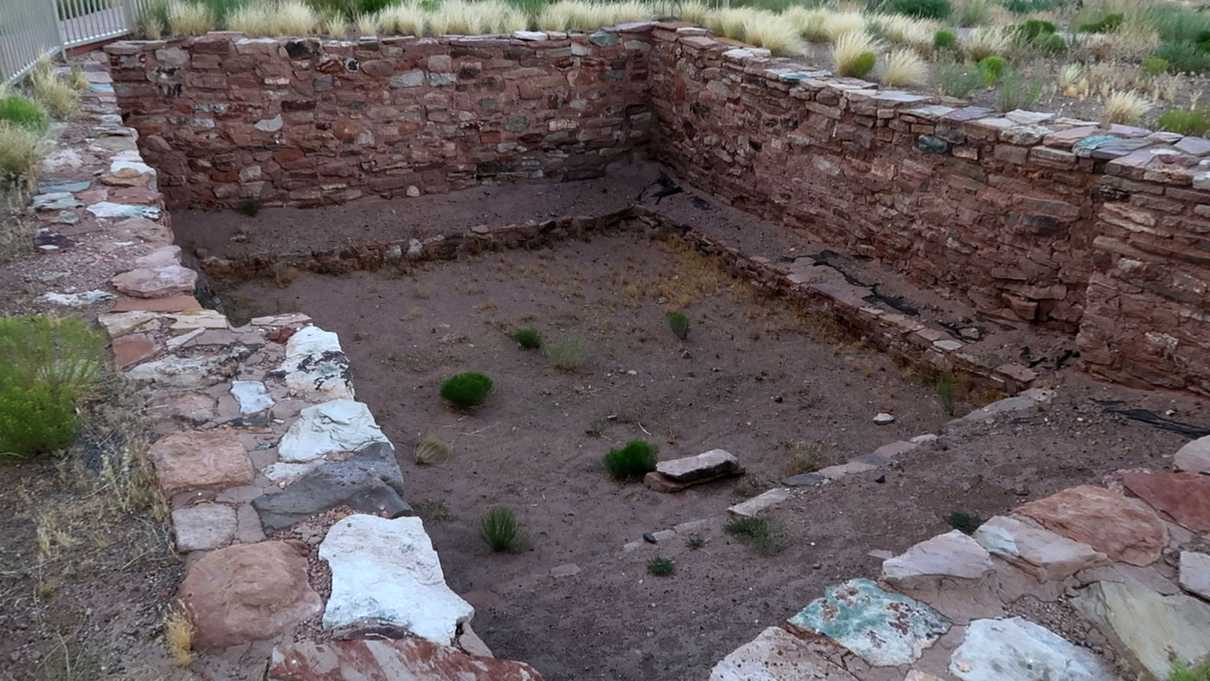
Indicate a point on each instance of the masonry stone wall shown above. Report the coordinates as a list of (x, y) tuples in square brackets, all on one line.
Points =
[(1096, 231), (226, 118)]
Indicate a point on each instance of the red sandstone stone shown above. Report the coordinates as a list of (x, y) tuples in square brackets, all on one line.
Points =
[(180, 303), (385, 660), (132, 348), (201, 459), (1122, 528), (1184, 497)]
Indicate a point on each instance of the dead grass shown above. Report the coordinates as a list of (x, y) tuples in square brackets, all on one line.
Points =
[(189, 18), (178, 635), (804, 457), (16, 226), (695, 276)]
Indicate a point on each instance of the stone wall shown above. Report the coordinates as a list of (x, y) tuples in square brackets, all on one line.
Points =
[(226, 118), (1027, 216), (1060, 223)]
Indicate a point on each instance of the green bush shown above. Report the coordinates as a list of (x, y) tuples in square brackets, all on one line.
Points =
[(500, 529), (945, 40), (24, 112), (1177, 23), (965, 522), (466, 390), (1184, 57), (1185, 121), (679, 324), (958, 80), (1106, 24), (1029, 6), (528, 338), (631, 462), (1051, 44), (1032, 29), (992, 69), (1154, 66), (763, 535), (48, 364), (1183, 672), (660, 567), (1017, 92), (923, 9), (567, 355), (862, 65), (945, 388)]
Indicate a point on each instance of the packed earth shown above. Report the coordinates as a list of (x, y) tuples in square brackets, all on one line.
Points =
[(624, 355)]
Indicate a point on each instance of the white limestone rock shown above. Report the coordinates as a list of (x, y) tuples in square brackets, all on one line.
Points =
[(386, 577), (952, 554), (1017, 649), (702, 466), (1045, 554), (315, 365), (252, 396), (1194, 456), (1195, 573), (777, 655), (335, 426)]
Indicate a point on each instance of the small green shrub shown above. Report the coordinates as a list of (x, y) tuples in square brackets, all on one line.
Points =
[(765, 537), (958, 80), (528, 337), (631, 462), (49, 364), (1153, 66), (1184, 57), (695, 541), (660, 567), (1029, 6), (965, 522), (945, 40), (862, 65), (466, 390), (679, 324), (922, 9), (992, 69), (972, 13), (23, 112), (500, 529), (1051, 44), (1185, 121), (567, 355), (1017, 92), (945, 388), (1032, 29), (1183, 672), (1106, 24), (432, 450)]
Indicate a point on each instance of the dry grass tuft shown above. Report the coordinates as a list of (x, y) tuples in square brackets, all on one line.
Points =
[(478, 18), (287, 18), (837, 24), (987, 41), (694, 11), (854, 54), (55, 93), (772, 32), (1125, 106), (20, 152), (405, 19), (178, 635), (334, 24), (808, 22), (583, 15), (366, 24), (907, 31), (189, 18), (904, 68)]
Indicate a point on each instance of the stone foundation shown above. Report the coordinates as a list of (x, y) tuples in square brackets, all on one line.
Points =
[(1088, 230)]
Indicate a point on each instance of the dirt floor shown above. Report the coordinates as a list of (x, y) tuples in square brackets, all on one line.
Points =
[(771, 386)]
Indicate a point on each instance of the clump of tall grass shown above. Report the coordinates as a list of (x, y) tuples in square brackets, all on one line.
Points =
[(1125, 106), (958, 80), (52, 91), (20, 152), (466, 18), (285, 18), (808, 22), (189, 18), (837, 24), (854, 54), (22, 111), (897, 29), (1185, 122), (566, 15), (987, 41), (770, 31), (904, 68), (402, 19)]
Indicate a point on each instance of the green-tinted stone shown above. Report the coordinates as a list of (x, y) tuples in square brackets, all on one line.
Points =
[(516, 124), (603, 38), (932, 145)]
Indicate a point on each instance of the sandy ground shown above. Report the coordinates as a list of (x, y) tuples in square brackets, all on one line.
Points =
[(752, 378)]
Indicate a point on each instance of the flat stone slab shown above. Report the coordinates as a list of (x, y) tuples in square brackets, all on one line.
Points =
[(1027, 400), (408, 659), (186, 372), (1017, 649), (1185, 497), (201, 459), (1148, 627), (336, 426), (760, 503), (1195, 573), (370, 482), (952, 554), (386, 579), (777, 655), (881, 627), (1044, 554), (1123, 529), (159, 282), (1194, 456), (316, 366), (248, 592), (700, 467), (252, 396), (203, 527)]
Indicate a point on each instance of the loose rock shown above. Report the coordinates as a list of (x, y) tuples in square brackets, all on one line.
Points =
[(1123, 529), (1017, 649), (408, 659)]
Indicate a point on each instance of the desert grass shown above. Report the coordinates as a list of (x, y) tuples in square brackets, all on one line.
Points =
[(178, 635), (189, 18), (906, 31), (987, 41), (404, 19), (808, 22), (20, 151), (366, 24), (1125, 106), (56, 94), (583, 15), (772, 32), (904, 68), (286, 18), (466, 18), (837, 24), (854, 54)]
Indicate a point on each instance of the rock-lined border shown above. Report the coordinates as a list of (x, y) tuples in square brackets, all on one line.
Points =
[(282, 489)]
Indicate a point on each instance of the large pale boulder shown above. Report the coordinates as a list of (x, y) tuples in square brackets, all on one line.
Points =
[(1017, 649), (386, 578), (248, 592), (1147, 627), (409, 659), (952, 554), (777, 655), (1046, 555), (1123, 529), (336, 426)]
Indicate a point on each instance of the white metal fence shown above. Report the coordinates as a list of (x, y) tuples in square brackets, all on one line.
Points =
[(32, 28)]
